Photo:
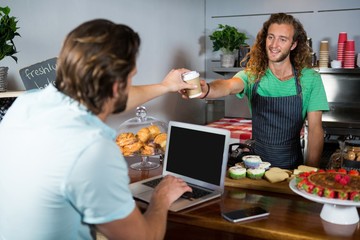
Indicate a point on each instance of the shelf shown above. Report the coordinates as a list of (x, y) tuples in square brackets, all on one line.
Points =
[(338, 70), (224, 71), (10, 94)]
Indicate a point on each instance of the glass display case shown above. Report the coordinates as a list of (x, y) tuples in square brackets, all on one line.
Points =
[(143, 136)]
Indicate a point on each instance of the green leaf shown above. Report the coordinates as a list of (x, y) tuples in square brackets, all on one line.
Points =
[(227, 38), (8, 31)]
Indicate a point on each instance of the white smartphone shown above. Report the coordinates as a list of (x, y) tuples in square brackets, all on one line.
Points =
[(245, 214)]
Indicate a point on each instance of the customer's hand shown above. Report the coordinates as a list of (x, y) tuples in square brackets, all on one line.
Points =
[(173, 81), (169, 190)]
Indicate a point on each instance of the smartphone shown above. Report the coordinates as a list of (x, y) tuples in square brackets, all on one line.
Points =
[(245, 214)]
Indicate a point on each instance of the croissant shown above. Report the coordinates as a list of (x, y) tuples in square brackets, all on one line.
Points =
[(143, 135), (125, 139), (148, 150), (160, 139), (154, 131), (132, 148)]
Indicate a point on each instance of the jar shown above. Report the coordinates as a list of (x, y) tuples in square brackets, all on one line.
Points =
[(142, 136), (351, 154)]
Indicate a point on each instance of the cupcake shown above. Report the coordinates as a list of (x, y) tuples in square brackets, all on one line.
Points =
[(237, 172), (240, 164), (252, 161), (256, 173), (265, 165)]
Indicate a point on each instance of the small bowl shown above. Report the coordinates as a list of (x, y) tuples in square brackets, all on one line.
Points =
[(252, 161)]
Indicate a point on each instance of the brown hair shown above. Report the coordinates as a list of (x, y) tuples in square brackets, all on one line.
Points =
[(299, 56), (94, 56)]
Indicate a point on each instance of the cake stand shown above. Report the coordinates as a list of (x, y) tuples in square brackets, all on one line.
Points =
[(145, 164), (335, 211)]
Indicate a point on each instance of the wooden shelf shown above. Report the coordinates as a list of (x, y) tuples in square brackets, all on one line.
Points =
[(10, 94)]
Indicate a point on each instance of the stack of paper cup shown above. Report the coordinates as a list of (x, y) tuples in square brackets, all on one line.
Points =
[(324, 54), (358, 60), (341, 47), (349, 57)]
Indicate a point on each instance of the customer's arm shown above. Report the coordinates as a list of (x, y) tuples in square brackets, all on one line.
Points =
[(151, 224), (315, 139), (143, 93)]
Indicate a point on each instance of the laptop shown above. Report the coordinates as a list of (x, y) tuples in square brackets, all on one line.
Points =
[(196, 153)]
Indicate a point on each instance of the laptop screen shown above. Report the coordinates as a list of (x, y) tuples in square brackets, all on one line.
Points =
[(197, 154)]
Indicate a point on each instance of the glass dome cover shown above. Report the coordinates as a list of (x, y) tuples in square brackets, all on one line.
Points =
[(142, 136), (140, 121)]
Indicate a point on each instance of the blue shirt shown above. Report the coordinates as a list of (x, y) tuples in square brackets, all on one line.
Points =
[(60, 170)]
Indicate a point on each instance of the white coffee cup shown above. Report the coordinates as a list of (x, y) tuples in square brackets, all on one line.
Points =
[(192, 77), (336, 64)]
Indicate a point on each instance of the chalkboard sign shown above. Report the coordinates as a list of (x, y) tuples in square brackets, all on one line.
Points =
[(39, 75)]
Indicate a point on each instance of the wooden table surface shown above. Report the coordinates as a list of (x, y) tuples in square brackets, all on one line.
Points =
[(291, 217)]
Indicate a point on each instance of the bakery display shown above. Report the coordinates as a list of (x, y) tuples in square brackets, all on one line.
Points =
[(143, 137)]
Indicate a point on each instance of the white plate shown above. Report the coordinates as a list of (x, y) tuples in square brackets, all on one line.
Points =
[(318, 199)]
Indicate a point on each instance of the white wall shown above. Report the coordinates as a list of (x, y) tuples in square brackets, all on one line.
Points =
[(171, 32)]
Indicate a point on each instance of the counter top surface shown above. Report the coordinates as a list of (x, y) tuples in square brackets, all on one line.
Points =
[(291, 216)]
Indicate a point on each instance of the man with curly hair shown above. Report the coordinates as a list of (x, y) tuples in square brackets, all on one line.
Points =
[(282, 90), (61, 172)]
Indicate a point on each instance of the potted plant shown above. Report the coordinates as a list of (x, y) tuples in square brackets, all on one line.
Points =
[(227, 39), (8, 30)]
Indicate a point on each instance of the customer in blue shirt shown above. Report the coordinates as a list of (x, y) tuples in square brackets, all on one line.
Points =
[(60, 169)]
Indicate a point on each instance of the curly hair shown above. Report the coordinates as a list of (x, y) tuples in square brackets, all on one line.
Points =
[(300, 56), (94, 56)]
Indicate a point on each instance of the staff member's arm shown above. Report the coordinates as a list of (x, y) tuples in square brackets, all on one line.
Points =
[(315, 139), (219, 88)]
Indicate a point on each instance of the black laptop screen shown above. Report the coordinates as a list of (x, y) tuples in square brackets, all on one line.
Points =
[(196, 154)]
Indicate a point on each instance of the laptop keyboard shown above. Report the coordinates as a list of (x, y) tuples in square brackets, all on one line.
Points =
[(196, 192)]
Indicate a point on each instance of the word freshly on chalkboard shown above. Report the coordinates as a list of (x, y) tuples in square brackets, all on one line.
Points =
[(39, 75)]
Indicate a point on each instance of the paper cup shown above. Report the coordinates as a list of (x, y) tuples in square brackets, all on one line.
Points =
[(324, 46), (342, 37), (192, 77), (350, 45)]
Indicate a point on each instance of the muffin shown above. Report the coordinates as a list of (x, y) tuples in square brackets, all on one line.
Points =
[(265, 165), (237, 172), (252, 161), (256, 173)]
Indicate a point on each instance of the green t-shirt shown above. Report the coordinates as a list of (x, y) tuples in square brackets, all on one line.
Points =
[(313, 92)]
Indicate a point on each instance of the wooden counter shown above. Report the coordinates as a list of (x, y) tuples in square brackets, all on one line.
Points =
[(291, 217)]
